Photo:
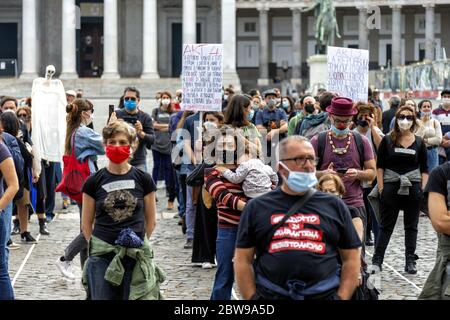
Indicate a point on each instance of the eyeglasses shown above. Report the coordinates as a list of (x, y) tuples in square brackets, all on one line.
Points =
[(129, 98), (301, 161), (345, 122), (407, 117)]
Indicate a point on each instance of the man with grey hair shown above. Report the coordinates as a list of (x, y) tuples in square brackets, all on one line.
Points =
[(388, 115), (306, 246)]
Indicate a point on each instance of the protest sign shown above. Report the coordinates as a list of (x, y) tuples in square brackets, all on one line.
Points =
[(202, 77), (348, 72)]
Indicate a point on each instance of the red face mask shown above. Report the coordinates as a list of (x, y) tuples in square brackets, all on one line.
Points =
[(118, 154)]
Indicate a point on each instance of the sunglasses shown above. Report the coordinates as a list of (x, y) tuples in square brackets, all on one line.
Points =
[(22, 115), (403, 117), (130, 98)]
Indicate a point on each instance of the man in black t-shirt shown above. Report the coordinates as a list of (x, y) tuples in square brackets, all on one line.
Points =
[(437, 285), (308, 247)]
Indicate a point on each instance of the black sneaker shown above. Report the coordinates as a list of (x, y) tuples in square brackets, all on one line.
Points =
[(16, 229), (27, 238), (189, 244), (43, 228)]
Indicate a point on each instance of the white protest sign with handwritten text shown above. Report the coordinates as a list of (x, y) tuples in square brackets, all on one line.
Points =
[(348, 72), (202, 77)]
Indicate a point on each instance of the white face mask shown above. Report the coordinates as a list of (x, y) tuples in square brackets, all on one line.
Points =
[(404, 124), (165, 102), (209, 125)]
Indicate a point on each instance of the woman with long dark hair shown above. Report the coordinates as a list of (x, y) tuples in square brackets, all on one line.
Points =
[(402, 175), (86, 144)]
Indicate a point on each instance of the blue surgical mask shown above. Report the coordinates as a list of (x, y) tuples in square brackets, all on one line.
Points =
[(424, 114), (340, 132), (250, 115), (130, 105), (300, 181), (285, 105)]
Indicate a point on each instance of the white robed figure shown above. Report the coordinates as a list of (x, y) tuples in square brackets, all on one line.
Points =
[(49, 116)]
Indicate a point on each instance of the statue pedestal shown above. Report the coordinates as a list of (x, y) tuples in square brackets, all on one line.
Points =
[(318, 73)]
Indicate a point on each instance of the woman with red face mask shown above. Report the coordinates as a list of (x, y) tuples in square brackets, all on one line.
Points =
[(118, 219)]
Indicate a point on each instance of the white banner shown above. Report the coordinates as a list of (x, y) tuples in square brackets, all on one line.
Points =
[(202, 77), (348, 72)]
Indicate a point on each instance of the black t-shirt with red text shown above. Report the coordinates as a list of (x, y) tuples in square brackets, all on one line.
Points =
[(306, 246)]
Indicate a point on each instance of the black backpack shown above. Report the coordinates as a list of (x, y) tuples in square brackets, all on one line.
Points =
[(322, 140)]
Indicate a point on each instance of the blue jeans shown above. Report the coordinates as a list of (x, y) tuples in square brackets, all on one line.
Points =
[(223, 282), (432, 159), (6, 290), (98, 287)]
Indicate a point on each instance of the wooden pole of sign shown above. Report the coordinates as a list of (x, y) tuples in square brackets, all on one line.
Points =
[(199, 143)]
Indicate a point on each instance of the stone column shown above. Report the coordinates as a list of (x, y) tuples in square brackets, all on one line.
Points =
[(363, 35), (110, 42), (189, 21), (69, 49), (150, 69), (296, 78), (263, 79), (228, 25), (396, 35), (29, 55), (429, 31)]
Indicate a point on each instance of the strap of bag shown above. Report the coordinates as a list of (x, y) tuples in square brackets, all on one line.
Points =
[(321, 141), (73, 143), (297, 206)]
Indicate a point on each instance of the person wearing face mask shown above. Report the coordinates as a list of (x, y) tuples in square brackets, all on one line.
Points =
[(345, 153), (442, 114), (230, 200), (431, 133), (119, 216), (300, 257), (313, 122), (162, 147), (402, 175), (140, 121), (288, 106), (365, 121), (228, 93), (272, 120), (86, 145)]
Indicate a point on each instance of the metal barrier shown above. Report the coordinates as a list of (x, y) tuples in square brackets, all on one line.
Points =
[(424, 76)]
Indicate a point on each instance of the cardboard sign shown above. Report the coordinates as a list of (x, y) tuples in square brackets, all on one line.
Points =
[(202, 77), (348, 72)]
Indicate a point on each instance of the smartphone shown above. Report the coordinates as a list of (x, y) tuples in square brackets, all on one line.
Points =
[(111, 109), (342, 170)]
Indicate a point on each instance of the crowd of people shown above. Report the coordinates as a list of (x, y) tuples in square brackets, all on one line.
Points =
[(281, 194)]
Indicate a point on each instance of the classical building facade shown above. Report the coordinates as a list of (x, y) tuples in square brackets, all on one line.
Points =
[(143, 38)]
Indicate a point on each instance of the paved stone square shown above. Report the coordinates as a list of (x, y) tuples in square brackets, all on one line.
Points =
[(40, 279)]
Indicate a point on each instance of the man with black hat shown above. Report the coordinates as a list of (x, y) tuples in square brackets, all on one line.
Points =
[(271, 119), (345, 153)]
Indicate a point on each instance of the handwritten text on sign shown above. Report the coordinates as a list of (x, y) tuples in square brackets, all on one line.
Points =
[(348, 72), (202, 77)]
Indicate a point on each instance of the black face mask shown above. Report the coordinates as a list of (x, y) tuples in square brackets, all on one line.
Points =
[(362, 123), (309, 108)]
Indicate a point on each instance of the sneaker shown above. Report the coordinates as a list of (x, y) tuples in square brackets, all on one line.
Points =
[(189, 244), (16, 229), (27, 238), (66, 203), (375, 268), (65, 268), (13, 245), (207, 265)]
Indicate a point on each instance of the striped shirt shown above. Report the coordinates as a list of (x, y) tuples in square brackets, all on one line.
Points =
[(226, 195), (443, 116)]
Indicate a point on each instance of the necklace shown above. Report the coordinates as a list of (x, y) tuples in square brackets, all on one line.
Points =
[(340, 150)]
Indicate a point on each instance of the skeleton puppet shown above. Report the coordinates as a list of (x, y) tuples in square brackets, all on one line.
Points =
[(49, 116)]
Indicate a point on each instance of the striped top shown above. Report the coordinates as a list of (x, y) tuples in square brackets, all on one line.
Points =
[(226, 195)]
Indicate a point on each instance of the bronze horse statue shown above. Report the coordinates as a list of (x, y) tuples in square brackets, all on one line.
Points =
[(326, 24)]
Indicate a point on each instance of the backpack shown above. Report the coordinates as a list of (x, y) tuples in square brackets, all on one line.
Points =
[(74, 175), (312, 131), (13, 147), (322, 140)]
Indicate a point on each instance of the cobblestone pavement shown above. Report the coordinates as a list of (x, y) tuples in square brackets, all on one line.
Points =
[(38, 277)]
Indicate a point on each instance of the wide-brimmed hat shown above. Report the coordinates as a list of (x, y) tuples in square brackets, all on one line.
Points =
[(341, 106)]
